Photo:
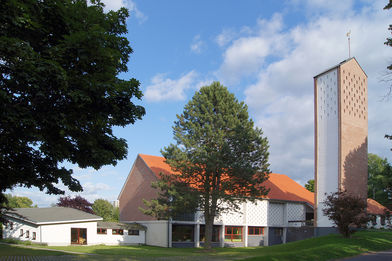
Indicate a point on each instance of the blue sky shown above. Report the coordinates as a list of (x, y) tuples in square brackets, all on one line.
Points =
[(265, 52)]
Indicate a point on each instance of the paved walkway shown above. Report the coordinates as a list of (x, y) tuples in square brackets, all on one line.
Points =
[(379, 256)]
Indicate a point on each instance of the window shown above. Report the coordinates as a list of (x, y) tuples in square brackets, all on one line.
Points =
[(215, 233), (117, 232), (11, 225), (27, 234), (101, 231), (21, 233), (233, 234), (255, 231), (133, 232), (382, 220), (182, 233), (34, 236)]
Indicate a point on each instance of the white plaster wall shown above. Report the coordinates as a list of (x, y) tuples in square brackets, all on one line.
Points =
[(157, 233), (256, 213), (15, 232), (110, 239), (327, 140), (276, 214), (60, 234), (235, 217)]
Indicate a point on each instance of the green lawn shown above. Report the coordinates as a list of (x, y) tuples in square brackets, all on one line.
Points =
[(322, 248), (14, 250)]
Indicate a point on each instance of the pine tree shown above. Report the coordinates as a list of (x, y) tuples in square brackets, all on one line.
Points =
[(220, 159)]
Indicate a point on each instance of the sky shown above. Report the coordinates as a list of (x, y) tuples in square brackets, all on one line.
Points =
[(265, 52)]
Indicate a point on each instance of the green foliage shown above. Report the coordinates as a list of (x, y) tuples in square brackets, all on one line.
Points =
[(106, 210), (380, 180), (220, 158), (310, 185), (60, 95), (346, 211), (19, 202)]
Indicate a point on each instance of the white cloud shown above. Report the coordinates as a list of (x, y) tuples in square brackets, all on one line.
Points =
[(225, 37), (281, 98), (246, 55), (197, 44), (163, 88), (117, 4)]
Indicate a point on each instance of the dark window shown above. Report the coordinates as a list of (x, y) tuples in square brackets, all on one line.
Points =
[(255, 231), (133, 232), (215, 233), (117, 232), (182, 233), (233, 234), (278, 231), (382, 220), (21, 233), (374, 220), (101, 231), (11, 225), (34, 236), (27, 234)]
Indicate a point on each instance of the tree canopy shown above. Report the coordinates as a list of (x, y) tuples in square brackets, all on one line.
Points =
[(19, 202), (346, 211), (77, 202), (105, 209), (60, 94), (220, 158), (380, 180), (310, 185)]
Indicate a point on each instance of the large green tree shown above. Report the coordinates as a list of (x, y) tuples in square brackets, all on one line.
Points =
[(19, 202), (380, 180), (105, 209), (60, 94), (220, 158)]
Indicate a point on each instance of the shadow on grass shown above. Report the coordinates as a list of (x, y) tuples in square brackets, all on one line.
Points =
[(13, 250)]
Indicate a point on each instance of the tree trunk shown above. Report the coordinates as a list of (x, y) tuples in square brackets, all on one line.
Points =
[(209, 216), (209, 221)]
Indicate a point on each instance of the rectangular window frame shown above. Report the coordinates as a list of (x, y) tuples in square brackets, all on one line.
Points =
[(231, 234), (133, 232), (21, 233), (34, 236), (117, 231), (255, 231), (27, 234), (102, 231)]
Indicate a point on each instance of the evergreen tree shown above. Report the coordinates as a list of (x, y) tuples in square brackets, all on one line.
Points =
[(219, 160)]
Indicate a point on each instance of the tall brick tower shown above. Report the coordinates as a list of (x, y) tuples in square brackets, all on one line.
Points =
[(341, 130)]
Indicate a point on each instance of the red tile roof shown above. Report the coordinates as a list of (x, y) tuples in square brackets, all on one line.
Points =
[(375, 208), (281, 186)]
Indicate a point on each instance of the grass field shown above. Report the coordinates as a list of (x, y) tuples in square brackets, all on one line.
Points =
[(322, 248)]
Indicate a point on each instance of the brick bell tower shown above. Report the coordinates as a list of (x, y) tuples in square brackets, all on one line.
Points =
[(341, 131)]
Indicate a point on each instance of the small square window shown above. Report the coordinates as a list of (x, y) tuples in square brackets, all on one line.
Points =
[(133, 232), (101, 231), (117, 232)]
